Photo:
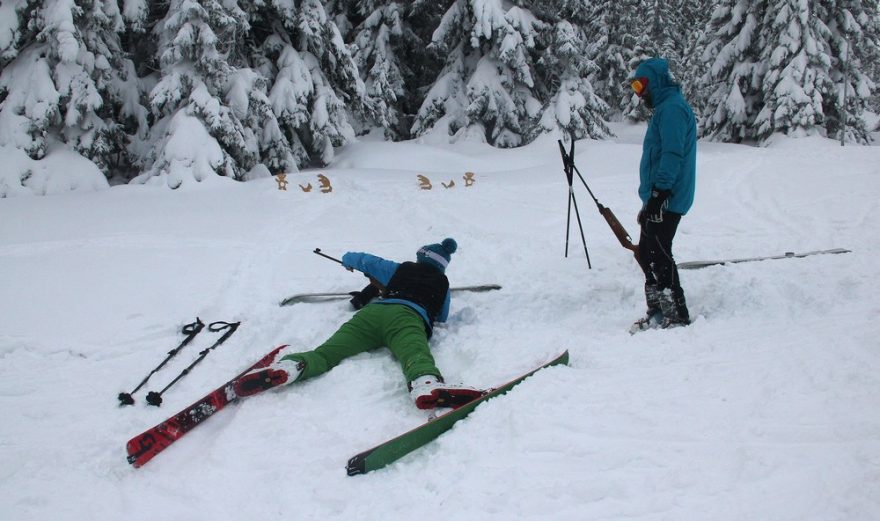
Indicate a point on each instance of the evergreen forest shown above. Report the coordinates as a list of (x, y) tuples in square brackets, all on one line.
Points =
[(270, 86)]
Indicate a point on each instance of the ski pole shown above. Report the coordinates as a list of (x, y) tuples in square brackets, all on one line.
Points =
[(568, 166), (619, 231), (374, 282), (190, 330), (154, 398)]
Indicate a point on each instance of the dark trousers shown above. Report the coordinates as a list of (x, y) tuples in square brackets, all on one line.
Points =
[(662, 285)]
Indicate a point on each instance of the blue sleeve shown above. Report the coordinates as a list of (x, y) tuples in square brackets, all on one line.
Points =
[(444, 312), (376, 267), (673, 127)]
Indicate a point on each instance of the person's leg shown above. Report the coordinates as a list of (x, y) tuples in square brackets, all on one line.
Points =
[(405, 336), (660, 263), (357, 335), (649, 250), (403, 331), (360, 334)]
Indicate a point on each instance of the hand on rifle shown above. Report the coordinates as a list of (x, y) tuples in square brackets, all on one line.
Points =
[(656, 205)]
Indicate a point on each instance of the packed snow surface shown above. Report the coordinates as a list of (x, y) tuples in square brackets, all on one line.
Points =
[(767, 407)]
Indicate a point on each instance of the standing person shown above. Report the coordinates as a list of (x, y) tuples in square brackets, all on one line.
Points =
[(416, 296), (667, 178)]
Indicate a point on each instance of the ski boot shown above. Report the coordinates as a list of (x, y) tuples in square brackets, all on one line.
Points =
[(282, 372), (429, 392)]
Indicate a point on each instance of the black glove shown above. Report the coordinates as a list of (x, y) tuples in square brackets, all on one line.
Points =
[(363, 297), (656, 205)]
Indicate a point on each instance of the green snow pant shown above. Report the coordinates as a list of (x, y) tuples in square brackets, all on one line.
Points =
[(395, 326)]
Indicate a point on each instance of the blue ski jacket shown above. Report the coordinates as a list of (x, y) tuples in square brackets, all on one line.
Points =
[(382, 270), (669, 151)]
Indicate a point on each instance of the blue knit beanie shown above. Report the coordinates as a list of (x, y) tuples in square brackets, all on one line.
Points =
[(437, 255)]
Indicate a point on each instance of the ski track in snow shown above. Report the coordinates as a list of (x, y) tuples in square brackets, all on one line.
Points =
[(764, 408)]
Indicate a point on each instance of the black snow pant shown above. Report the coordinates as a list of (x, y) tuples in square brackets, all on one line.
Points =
[(662, 286)]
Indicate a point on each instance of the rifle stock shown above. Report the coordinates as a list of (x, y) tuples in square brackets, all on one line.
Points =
[(618, 230)]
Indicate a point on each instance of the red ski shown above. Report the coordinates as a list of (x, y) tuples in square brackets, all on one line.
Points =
[(143, 447)]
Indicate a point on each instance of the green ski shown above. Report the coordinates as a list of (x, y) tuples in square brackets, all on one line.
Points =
[(395, 448)]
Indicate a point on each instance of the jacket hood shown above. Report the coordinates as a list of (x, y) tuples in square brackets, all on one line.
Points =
[(660, 82)]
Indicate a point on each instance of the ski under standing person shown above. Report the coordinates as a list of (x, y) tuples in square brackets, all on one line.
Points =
[(416, 296), (667, 179)]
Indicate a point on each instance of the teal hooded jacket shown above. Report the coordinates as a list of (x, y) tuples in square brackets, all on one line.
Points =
[(669, 152)]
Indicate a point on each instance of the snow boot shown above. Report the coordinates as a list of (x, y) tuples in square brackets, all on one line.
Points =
[(429, 392), (282, 372), (675, 311), (653, 319)]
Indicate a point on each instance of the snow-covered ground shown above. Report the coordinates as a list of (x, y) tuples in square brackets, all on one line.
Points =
[(767, 407)]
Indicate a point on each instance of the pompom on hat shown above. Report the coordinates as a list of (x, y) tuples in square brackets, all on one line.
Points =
[(437, 255)]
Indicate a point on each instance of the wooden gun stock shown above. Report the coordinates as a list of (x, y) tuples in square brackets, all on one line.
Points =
[(618, 230)]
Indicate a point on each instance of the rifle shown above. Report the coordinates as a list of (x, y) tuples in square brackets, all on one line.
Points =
[(617, 228), (373, 282)]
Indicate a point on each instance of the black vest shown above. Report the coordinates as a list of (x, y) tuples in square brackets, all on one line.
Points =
[(420, 284)]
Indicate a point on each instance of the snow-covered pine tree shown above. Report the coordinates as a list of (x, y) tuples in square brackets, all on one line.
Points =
[(290, 83), (487, 86), (195, 40), (65, 79), (29, 106), (420, 61), (247, 97), (731, 86), (315, 90), (15, 27), (611, 30), (871, 61), (375, 51), (852, 37), (693, 20), (797, 71), (389, 41), (661, 33), (340, 92), (657, 34), (140, 17), (564, 68)]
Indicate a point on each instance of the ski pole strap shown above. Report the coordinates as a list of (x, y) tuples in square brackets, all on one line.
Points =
[(193, 328), (190, 330), (154, 398), (218, 326)]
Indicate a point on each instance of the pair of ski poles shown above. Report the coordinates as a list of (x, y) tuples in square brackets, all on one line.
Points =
[(619, 231), (190, 330)]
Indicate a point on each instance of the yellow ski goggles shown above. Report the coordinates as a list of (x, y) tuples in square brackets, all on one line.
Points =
[(639, 86)]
